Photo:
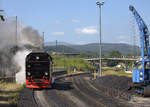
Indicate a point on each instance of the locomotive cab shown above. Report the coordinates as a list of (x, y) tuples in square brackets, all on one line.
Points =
[(38, 70)]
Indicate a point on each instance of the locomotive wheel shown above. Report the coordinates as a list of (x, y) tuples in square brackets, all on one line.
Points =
[(146, 92)]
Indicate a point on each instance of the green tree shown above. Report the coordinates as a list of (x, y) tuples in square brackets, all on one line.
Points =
[(115, 54)]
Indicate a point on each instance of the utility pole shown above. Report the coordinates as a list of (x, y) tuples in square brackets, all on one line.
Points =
[(56, 46), (43, 41), (64, 58), (16, 33), (56, 52), (100, 44), (16, 45)]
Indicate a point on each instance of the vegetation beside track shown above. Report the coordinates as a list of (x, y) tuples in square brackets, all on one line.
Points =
[(115, 71), (73, 63), (78, 64), (9, 94)]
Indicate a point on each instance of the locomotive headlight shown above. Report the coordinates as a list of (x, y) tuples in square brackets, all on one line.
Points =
[(28, 73), (141, 78), (46, 73), (141, 73), (37, 57)]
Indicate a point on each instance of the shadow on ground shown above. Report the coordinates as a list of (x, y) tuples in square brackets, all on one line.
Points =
[(62, 85), (73, 75)]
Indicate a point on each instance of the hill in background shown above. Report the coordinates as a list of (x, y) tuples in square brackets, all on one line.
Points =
[(58, 43), (93, 48)]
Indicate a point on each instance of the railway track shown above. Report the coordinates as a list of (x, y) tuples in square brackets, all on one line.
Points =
[(95, 96), (34, 99), (39, 98), (74, 91)]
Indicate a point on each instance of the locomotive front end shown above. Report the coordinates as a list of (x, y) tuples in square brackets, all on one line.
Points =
[(38, 70)]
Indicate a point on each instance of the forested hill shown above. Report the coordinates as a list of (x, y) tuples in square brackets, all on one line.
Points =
[(93, 48)]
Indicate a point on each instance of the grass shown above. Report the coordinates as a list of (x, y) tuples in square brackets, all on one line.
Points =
[(115, 71), (9, 93), (71, 63)]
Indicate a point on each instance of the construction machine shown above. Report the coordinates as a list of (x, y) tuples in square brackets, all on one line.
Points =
[(141, 75)]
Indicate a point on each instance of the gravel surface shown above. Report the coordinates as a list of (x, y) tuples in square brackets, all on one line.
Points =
[(116, 82), (77, 91), (96, 96), (120, 83), (26, 99)]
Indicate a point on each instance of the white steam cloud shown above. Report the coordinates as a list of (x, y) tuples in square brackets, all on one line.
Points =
[(19, 59), (25, 35), (10, 63)]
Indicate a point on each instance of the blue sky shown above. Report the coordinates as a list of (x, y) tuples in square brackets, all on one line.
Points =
[(76, 21)]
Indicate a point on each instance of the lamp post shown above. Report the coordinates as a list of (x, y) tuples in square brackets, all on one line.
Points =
[(100, 44), (16, 31)]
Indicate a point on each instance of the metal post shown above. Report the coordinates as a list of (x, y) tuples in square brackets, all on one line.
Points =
[(43, 41), (16, 45), (64, 57), (100, 39), (100, 44), (16, 31), (56, 53)]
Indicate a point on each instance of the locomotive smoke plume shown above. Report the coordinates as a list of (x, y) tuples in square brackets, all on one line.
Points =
[(19, 59), (25, 35), (8, 40)]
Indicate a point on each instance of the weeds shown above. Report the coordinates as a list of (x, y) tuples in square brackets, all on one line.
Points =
[(9, 93)]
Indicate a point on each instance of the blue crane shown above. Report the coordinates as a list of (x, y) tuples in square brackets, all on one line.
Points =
[(141, 75)]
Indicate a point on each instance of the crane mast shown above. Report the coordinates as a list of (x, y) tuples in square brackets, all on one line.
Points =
[(141, 76)]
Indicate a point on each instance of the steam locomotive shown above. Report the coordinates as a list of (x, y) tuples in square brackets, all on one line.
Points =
[(39, 70)]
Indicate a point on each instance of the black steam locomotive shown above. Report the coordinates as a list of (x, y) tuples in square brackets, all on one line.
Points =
[(39, 70)]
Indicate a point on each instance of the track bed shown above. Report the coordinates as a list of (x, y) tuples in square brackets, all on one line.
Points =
[(80, 91)]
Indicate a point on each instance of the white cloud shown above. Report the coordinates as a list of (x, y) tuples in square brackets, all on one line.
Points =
[(58, 33), (75, 20), (89, 30)]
